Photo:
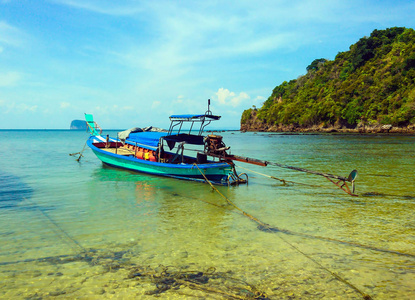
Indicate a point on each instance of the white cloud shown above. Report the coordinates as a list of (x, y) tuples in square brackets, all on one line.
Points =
[(155, 104), (65, 105), (184, 105), (116, 108), (112, 109), (259, 100), (228, 98), (113, 8), (9, 78), (186, 34), (10, 35), (12, 107), (25, 107), (6, 106)]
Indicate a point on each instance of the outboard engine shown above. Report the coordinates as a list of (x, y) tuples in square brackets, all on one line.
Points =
[(215, 145)]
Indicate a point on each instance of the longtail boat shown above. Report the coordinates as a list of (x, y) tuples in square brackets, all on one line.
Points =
[(172, 153), (165, 153)]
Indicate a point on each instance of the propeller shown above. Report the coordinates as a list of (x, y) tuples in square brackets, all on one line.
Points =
[(352, 177)]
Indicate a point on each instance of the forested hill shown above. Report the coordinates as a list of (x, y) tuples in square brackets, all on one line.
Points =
[(371, 87)]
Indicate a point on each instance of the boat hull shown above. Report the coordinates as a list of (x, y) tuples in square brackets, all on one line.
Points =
[(217, 173)]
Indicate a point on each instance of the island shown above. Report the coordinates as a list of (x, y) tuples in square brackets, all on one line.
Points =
[(78, 125), (368, 89)]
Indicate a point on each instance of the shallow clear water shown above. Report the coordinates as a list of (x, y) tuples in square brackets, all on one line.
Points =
[(79, 230)]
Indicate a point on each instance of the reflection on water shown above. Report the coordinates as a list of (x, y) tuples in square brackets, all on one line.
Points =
[(110, 229)]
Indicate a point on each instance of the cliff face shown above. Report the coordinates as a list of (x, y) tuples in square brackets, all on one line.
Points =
[(370, 88)]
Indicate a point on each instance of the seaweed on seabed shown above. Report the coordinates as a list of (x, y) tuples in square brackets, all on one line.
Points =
[(163, 278), (210, 281)]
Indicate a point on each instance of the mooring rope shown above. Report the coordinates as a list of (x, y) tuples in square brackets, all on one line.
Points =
[(276, 178), (269, 176), (227, 200), (80, 153), (335, 275), (75, 242), (268, 228), (338, 277)]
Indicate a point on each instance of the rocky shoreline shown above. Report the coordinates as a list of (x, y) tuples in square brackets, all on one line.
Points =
[(252, 123), (360, 129)]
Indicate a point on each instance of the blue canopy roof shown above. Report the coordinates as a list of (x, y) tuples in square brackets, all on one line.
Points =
[(149, 139), (190, 117)]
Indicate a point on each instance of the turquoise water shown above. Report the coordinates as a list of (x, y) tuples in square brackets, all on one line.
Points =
[(82, 230)]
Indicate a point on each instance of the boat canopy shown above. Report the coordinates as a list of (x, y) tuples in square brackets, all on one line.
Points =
[(186, 138), (151, 139), (147, 139), (204, 120), (192, 118)]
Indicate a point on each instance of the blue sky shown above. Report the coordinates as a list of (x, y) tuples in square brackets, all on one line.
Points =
[(134, 63)]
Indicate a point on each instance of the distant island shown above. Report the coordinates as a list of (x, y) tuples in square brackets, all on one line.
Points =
[(78, 125), (370, 88)]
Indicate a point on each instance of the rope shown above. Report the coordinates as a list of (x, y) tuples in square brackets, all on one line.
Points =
[(229, 201), (268, 228), (327, 175), (335, 275), (276, 178), (76, 243), (338, 277), (80, 153)]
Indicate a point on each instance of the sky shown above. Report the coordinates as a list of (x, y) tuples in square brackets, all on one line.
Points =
[(134, 63)]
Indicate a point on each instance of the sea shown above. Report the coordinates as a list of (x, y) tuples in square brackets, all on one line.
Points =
[(74, 229)]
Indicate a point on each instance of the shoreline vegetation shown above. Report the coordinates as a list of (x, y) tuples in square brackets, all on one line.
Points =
[(368, 89)]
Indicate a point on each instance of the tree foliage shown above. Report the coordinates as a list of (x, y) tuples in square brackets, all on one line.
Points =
[(373, 82), (316, 64)]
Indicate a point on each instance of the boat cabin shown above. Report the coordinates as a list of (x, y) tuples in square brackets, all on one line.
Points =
[(169, 147)]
